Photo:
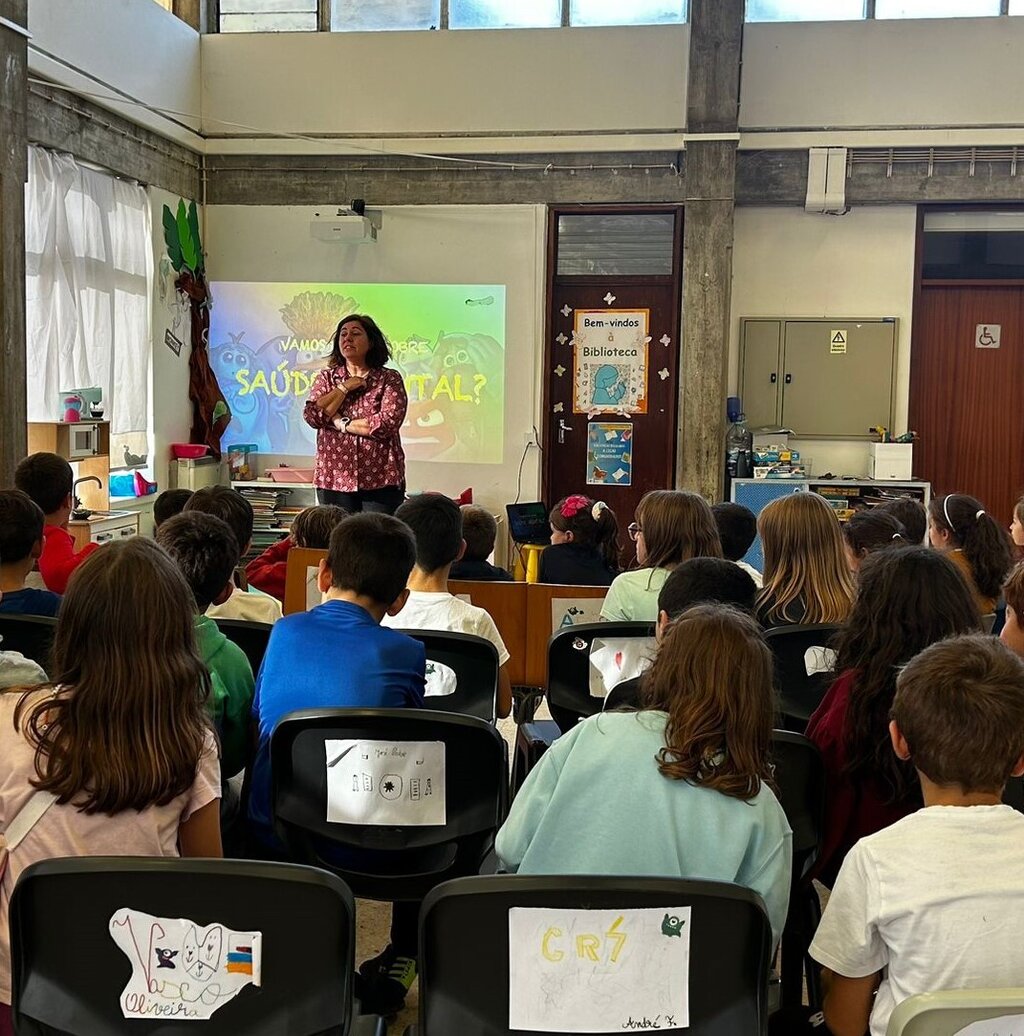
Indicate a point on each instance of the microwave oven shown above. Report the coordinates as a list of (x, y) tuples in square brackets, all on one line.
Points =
[(83, 440)]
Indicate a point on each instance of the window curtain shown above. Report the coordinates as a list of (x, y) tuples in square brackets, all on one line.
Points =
[(89, 272)]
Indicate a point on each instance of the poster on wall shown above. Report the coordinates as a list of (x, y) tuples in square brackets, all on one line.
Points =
[(610, 361), (609, 454), (268, 341)]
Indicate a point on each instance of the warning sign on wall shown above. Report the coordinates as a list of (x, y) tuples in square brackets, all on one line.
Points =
[(837, 340)]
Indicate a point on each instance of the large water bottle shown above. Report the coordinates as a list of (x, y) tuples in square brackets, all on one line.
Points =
[(739, 450)]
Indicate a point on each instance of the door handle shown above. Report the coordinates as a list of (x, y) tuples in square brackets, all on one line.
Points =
[(789, 379), (775, 377), (562, 429)]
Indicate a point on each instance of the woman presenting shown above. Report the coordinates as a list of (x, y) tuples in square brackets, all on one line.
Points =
[(357, 405)]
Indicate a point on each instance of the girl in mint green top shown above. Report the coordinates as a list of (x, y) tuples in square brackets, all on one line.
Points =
[(670, 526), (678, 789)]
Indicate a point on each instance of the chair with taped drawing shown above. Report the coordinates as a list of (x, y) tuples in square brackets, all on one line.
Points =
[(804, 665), (462, 672), (515, 953), (393, 801), (587, 660), (106, 945)]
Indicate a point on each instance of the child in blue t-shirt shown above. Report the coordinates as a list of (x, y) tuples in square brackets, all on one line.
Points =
[(338, 655), (21, 543)]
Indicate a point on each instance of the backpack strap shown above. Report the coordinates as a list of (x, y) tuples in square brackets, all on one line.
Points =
[(26, 819)]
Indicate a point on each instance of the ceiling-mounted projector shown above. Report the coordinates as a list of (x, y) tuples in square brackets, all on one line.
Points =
[(347, 224)]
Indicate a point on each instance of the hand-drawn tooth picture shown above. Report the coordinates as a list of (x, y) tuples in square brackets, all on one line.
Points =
[(386, 783), (182, 969)]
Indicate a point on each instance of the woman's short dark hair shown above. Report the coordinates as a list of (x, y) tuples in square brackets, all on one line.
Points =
[(379, 352)]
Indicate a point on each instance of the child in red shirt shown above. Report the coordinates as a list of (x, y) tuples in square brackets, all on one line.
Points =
[(48, 479), (311, 528)]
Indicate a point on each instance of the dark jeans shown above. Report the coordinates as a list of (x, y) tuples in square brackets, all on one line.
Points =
[(382, 501), (405, 928)]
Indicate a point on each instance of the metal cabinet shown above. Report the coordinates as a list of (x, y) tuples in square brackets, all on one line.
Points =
[(832, 378)]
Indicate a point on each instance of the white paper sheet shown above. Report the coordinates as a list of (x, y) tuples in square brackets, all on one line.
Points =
[(617, 659), (571, 611), (386, 783), (182, 970), (1005, 1025), (313, 595), (819, 660), (440, 680), (598, 970)]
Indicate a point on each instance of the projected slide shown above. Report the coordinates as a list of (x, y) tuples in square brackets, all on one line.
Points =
[(267, 342)]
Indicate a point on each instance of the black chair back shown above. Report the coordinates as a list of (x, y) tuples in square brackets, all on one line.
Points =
[(389, 862), (800, 787), (251, 637), (800, 692), (464, 940), (32, 635), (473, 660), (1013, 793), (569, 650), (69, 974)]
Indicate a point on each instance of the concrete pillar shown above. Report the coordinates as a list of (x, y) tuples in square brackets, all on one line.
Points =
[(716, 37), (13, 145)]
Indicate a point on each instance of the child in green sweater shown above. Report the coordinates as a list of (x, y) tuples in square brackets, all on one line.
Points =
[(205, 549)]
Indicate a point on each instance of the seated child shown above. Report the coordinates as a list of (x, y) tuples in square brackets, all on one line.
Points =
[(21, 543), (584, 547), (907, 600), (48, 480), (337, 655), (436, 523), (479, 530), (910, 513), (169, 503), (205, 549), (1012, 633), (737, 529), (310, 528), (230, 506), (869, 531), (121, 734), (679, 789), (936, 901), (670, 526), (697, 581)]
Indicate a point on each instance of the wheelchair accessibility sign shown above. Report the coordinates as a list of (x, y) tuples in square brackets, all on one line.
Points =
[(986, 336)]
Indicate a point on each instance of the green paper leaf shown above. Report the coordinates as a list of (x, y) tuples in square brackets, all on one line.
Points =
[(220, 410), (171, 238), (193, 226), (188, 248)]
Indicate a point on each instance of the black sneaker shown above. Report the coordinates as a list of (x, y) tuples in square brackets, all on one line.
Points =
[(386, 979)]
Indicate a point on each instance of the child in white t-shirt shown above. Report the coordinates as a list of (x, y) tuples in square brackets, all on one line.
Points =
[(936, 901), (436, 522)]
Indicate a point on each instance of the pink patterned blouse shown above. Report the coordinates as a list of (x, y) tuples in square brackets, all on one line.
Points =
[(349, 463)]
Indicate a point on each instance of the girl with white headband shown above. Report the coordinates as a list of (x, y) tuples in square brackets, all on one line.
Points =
[(976, 543), (584, 547)]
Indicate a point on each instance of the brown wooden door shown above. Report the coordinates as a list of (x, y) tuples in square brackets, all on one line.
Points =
[(967, 403), (568, 463)]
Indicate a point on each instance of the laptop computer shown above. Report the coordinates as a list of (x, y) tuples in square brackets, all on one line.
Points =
[(528, 523)]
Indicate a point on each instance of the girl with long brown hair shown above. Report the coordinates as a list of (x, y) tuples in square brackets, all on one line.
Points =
[(806, 576), (678, 789), (907, 599), (117, 747), (670, 526)]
